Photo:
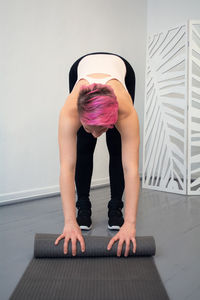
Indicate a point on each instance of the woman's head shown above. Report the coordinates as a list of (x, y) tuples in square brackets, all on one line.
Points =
[(97, 105)]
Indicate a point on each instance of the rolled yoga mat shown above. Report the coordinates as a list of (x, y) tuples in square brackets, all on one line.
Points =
[(96, 274)]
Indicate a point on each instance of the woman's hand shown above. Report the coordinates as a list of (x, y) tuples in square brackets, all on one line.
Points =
[(71, 232), (126, 234)]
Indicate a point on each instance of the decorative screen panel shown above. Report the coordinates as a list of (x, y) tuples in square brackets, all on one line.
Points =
[(194, 109), (165, 112)]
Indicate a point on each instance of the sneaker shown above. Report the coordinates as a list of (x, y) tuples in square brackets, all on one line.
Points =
[(116, 219), (84, 219)]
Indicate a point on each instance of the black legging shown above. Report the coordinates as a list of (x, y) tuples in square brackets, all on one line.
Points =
[(85, 149)]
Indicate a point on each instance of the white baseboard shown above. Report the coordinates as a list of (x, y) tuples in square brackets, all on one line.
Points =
[(27, 195), (20, 196)]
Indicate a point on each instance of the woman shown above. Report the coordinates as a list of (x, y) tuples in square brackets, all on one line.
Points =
[(100, 100)]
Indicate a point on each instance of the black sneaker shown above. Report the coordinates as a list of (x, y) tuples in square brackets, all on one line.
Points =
[(84, 219), (116, 219)]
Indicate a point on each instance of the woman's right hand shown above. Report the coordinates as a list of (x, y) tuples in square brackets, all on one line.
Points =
[(71, 232)]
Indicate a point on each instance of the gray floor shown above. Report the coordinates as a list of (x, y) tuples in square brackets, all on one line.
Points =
[(172, 219)]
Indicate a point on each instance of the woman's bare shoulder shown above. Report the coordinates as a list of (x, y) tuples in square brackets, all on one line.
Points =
[(125, 112), (126, 107), (123, 97), (129, 124), (69, 116), (71, 101)]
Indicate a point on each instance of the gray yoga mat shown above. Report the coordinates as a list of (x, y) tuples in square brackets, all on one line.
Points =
[(96, 274)]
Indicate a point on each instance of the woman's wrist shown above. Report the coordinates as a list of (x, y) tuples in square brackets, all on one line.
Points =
[(129, 222), (71, 221)]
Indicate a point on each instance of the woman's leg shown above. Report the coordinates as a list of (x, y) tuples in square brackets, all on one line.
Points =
[(113, 140), (84, 167), (84, 164)]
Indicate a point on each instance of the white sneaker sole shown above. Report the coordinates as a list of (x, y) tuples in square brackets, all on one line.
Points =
[(115, 227), (83, 227)]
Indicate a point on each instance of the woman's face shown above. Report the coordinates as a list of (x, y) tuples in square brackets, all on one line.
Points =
[(96, 131)]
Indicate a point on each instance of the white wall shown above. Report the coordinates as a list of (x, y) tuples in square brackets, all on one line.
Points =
[(41, 39), (162, 14)]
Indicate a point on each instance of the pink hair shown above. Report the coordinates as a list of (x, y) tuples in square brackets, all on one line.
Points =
[(97, 105)]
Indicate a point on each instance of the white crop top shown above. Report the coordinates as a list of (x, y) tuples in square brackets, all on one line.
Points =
[(102, 63)]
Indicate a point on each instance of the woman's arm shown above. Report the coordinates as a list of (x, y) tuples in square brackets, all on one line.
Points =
[(67, 138), (68, 127), (128, 127)]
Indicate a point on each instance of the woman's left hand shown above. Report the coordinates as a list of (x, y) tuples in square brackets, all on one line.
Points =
[(126, 234)]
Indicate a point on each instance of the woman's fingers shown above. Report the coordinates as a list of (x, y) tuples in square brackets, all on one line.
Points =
[(73, 243), (73, 240), (110, 244), (119, 248), (65, 247), (127, 247), (134, 244), (112, 241), (82, 243), (120, 245), (59, 238)]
